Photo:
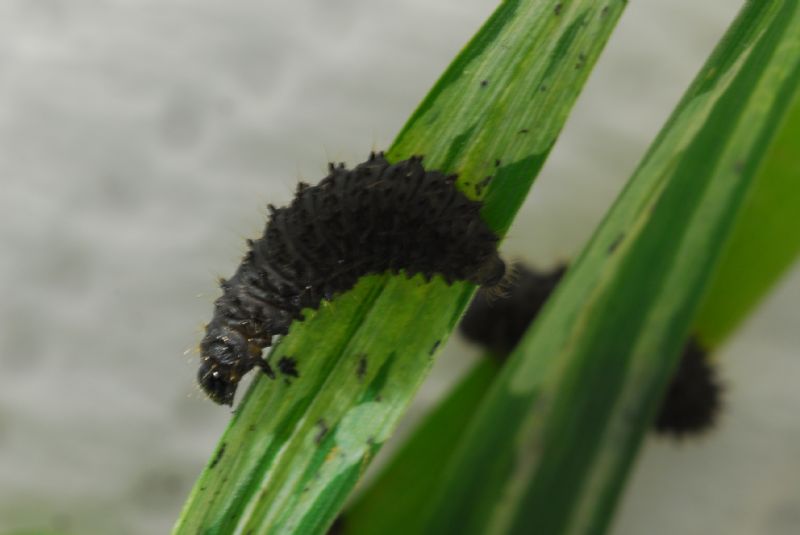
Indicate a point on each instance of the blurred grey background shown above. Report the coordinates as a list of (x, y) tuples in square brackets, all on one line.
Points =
[(139, 144)]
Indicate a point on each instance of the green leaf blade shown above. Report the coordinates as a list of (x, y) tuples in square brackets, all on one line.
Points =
[(551, 446), (391, 506), (765, 241)]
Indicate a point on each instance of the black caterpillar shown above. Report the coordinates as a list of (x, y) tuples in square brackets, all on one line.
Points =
[(375, 218), (498, 322), (692, 401)]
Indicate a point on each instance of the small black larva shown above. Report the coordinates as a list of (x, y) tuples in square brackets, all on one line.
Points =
[(497, 322), (693, 400), (375, 218)]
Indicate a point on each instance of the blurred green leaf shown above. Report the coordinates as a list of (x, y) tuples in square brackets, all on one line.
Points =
[(550, 448), (765, 240), (293, 452)]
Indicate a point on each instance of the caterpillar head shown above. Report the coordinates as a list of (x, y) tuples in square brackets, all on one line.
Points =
[(225, 359)]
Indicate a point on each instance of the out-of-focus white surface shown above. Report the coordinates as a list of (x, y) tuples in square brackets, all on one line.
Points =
[(139, 144)]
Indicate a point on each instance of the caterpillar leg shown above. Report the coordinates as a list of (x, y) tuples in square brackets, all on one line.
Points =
[(265, 367)]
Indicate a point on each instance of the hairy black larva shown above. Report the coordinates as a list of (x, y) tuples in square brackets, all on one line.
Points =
[(692, 401), (497, 322), (375, 218)]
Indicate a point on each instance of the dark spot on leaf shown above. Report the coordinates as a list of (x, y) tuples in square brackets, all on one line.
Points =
[(614, 244), (523, 131), (557, 9), (361, 370), (482, 184), (497, 162), (434, 347), (288, 366), (484, 83), (322, 431), (218, 456), (604, 11)]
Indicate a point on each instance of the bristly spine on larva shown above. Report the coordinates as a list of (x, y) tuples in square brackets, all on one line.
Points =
[(375, 218)]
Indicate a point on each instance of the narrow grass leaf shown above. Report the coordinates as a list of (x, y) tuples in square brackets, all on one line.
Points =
[(765, 241), (391, 505), (550, 447)]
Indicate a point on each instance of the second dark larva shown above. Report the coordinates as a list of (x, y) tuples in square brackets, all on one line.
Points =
[(693, 400), (375, 218)]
